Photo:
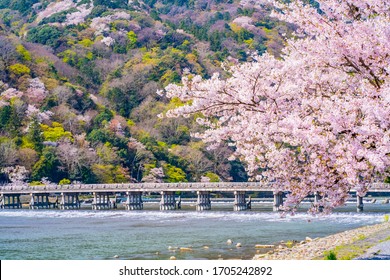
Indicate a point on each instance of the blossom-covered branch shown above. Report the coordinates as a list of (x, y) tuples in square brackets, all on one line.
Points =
[(316, 120)]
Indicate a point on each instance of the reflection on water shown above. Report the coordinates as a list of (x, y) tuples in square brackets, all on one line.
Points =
[(151, 234)]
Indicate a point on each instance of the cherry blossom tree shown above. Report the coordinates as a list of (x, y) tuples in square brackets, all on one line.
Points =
[(8, 94), (36, 92), (156, 175), (79, 16), (11, 93), (315, 120), (33, 112), (16, 174), (55, 7)]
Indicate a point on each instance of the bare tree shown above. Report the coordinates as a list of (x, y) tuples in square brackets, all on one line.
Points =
[(27, 157), (8, 153), (62, 94), (7, 50), (7, 55), (198, 162), (221, 166), (75, 156)]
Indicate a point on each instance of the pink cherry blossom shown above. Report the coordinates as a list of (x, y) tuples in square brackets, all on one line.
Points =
[(36, 92), (55, 7), (33, 111), (11, 93), (16, 174), (316, 120), (79, 16)]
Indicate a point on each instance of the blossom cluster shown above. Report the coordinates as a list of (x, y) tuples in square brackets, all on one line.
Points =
[(8, 94), (16, 174), (316, 120), (36, 91), (55, 7), (79, 16), (33, 111), (35, 94), (244, 21), (101, 24), (155, 175)]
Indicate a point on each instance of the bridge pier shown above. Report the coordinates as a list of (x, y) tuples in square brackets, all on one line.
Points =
[(204, 201), (317, 198), (134, 201), (179, 203), (70, 201), (240, 203), (10, 201), (39, 201), (168, 201), (278, 201), (359, 203), (101, 200)]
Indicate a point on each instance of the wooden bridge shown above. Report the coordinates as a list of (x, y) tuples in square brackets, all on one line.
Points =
[(67, 196)]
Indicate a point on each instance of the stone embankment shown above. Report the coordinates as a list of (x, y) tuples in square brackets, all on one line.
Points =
[(310, 249)]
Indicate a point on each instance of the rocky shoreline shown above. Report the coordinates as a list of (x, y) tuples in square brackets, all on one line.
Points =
[(310, 249)]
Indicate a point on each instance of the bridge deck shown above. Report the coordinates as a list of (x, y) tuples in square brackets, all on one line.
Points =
[(157, 187)]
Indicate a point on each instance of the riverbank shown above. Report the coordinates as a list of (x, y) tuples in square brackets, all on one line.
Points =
[(345, 245)]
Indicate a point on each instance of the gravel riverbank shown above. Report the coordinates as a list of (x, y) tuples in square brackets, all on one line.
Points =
[(362, 238)]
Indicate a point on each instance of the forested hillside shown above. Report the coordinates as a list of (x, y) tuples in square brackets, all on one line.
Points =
[(78, 82)]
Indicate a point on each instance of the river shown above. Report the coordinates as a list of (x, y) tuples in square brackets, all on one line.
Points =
[(153, 234)]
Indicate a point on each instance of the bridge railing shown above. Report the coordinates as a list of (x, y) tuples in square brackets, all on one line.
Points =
[(138, 186), (155, 186)]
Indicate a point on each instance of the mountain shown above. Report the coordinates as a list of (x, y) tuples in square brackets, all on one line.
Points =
[(78, 83)]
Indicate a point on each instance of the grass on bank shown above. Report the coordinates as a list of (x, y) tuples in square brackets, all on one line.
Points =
[(290, 243), (347, 251), (350, 251), (384, 240)]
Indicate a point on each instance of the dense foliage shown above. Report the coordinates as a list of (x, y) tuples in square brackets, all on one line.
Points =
[(78, 82)]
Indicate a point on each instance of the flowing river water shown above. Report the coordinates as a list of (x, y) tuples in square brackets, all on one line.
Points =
[(153, 234)]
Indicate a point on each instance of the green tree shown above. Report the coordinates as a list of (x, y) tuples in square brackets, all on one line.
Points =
[(15, 120), (124, 102), (23, 6), (110, 173), (64, 182), (97, 11), (113, 4), (35, 134), (5, 113), (212, 176), (19, 69), (174, 174), (55, 133), (104, 116), (48, 166), (132, 39), (46, 35), (24, 54)]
